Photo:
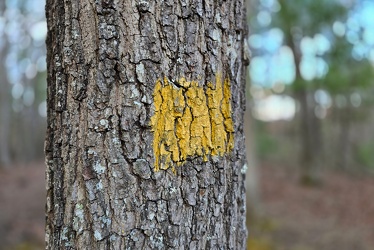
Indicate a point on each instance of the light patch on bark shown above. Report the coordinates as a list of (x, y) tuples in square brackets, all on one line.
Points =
[(99, 169), (78, 217), (244, 169)]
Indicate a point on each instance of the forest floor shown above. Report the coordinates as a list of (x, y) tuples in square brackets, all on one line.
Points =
[(338, 215), (22, 203)]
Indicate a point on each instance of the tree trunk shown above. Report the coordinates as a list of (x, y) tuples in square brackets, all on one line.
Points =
[(145, 146), (343, 152), (310, 128), (5, 109), (253, 175)]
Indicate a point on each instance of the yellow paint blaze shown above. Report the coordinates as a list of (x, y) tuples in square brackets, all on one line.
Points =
[(190, 121)]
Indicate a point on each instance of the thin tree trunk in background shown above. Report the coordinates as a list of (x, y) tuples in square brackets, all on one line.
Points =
[(5, 111), (252, 177), (134, 86), (310, 128), (344, 146), (306, 156), (5, 114), (311, 140)]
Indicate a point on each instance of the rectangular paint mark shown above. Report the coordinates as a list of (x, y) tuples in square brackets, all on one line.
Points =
[(189, 121)]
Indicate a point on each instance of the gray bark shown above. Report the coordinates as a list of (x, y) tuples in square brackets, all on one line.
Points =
[(104, 58)]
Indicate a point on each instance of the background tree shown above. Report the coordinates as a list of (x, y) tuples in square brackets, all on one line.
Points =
[(320, 60), (22, 95), (252, 181), (296, 21), (312, 87), (135, 87), (346, 83), (4, 103)]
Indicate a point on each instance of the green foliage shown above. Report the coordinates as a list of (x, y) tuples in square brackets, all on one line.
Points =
[(259, 234), (364, 155), (259, 244), (40, 87), (266, 143), (26, 246), (309, 16), (298, 19), (345, 73)]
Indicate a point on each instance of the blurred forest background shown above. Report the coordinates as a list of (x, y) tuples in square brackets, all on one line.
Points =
[(309, 124)]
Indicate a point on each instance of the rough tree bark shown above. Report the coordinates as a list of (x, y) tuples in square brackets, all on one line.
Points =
[(145, 145)]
